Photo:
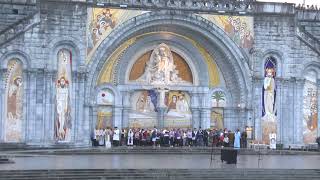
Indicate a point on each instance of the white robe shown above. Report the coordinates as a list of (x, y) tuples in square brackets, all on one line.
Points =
[(107, 140), (273, 140), (130, 138), (269, 87), (116, 135)]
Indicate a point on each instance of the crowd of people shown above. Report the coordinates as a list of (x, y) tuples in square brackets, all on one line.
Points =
[(307, 7), (169, 137)]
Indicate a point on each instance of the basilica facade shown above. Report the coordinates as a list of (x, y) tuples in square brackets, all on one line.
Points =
[(68, 68)]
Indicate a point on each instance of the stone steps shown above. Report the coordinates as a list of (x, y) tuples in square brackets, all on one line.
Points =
[(162, 150), (5, 160), (308, 39), (10, 13), (247, 174)]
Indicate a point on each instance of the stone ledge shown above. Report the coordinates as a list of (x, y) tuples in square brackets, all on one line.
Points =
[(149, 150), (163, 174)]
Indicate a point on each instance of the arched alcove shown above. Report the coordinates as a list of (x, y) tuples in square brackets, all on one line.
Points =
[(13, 118), (187, 35), (218, 44), (309, 122)]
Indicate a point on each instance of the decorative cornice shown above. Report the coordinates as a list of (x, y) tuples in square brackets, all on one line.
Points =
[(234, 7)]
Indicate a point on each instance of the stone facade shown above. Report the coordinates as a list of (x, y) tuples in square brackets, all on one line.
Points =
[(49, 26)]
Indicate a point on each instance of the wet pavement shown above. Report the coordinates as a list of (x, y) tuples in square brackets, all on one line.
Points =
[(160, 161)]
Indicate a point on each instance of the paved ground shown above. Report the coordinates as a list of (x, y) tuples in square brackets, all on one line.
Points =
[(159, 161)]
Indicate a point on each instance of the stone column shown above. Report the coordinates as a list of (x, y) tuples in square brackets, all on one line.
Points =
[(258, 85), (125, 110), (32, 123), (286, 116), (74, 100), (87, 121), (318, 95), (196, 120), (298, 111), (125, 118), (28, 124), (93, 118), (161, 107), (205, 118), (81, 134), (117, 116), (2, 102), (279, 85), (49, 107), (205, 110), (160, 118), (195, 110)]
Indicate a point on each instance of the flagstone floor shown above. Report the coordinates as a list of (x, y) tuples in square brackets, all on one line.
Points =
[(159, 161)]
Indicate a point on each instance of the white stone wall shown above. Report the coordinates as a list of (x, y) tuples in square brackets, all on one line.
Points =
[(63, 25)]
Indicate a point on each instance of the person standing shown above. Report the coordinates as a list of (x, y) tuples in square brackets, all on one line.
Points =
[(237, 137), (116, 136), (123, 137), (136, 137), (226, 140), (194, 137), (108, 138), (184, 137), (221, 138), (94, 138), (273, 140), (130, 138), (144, 137), (154, 137), (318, 141), (166, 139), (189, 136), (177, 138), (171, 136), (205, 137), (101, 137), (244, 139), (200, 137)]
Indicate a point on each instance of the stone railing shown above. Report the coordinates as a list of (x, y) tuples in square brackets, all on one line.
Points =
[(198, 5), (308, 39), (234, 7), (19, 27), (19, 2), (308, 15)]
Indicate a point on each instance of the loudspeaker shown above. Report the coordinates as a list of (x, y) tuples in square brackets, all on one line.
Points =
[(229, 155)]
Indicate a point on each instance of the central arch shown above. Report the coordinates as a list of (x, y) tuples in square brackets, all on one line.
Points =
[(231, 60), (227, 54)]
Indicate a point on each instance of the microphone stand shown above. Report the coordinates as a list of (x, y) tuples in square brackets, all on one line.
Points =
[(212, 154)]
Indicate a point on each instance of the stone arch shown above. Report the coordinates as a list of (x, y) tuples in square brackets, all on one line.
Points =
[(24, 59), (314, 66), (113, 89), (278, 56), (189, 54), (117, 103), (17, 54), (231, 58), (71, 44), (225, 91), (77, 51), (309, 124)]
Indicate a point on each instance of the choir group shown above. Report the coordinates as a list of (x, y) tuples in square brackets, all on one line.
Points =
[(169, 137)]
